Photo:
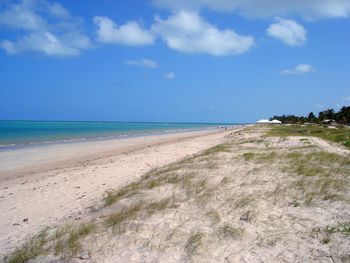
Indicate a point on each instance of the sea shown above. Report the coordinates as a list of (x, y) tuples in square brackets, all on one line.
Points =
[(15, 134)]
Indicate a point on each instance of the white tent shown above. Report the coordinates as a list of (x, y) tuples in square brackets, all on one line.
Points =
[(275, 122), (263, 122)]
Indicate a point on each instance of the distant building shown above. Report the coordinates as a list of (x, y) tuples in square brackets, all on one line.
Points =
[(331, 122), (263, 122), (275, 122)]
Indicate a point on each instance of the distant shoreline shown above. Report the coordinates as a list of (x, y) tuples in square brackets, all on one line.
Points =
[(10, 139), (21, 161), (55, 182)]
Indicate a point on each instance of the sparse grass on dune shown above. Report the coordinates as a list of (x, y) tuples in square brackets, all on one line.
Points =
[(340, 135), (31, 248), (229, 232), (194, 242), (164, 175), (204, 201), (317, 174), (64, 241)]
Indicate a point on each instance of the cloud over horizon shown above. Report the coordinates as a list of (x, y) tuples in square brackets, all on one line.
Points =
[(288, 31), (42, 27)]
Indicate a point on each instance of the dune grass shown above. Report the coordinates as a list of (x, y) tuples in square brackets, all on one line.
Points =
[(166, 175), (31, 249), (194, 242), (64, 242), (340, 135), (309, 176), (229, 232)]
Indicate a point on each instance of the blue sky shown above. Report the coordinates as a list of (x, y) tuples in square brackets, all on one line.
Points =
[(165, 60)]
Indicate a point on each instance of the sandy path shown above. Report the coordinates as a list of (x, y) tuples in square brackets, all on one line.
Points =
[(44, 194)]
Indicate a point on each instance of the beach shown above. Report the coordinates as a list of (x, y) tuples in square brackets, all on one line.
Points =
[(43, 186), (251, 194)]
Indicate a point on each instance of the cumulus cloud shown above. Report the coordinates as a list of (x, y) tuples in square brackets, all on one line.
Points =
[(42, 27), (169, 75), (266, 8), (143, 63), (131, 33), (288, 31), (299, 69), (190, 33)]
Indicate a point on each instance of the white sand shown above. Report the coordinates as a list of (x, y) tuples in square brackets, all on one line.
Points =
[(51, 183)]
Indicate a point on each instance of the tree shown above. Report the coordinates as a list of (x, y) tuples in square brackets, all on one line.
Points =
[(326, 115), (343, 116), (311, 117)]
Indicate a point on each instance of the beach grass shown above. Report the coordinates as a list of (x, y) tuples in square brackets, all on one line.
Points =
[(194, 242), (30, 249), (231, 208), (339, 135)]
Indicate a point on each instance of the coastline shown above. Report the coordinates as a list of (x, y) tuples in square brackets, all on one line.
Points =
[(50, 184), (39, 157), (235, 196), (23, 134)]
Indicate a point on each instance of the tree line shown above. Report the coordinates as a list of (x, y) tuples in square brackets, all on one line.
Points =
[(341, 117)]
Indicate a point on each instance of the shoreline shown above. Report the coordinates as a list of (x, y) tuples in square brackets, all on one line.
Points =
[(30, 159), (50, 185), (38, 142)]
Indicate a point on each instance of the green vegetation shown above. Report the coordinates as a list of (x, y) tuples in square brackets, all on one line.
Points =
[(318, 175), (214, 216), (321, 175), (167, 175), (227, 231), (65, 242), (193, 243), (342, 228), (191, 184), (339, 135), (263, 157), (217, 149), (327, 116), (248, 156), (339, 228), (30, 249)]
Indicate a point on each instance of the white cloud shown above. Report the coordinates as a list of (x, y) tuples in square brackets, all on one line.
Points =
[(42, 27), (131, 33), (299, 69), (143, 63), (170, 75), (346, 98), (189, 33), (47, 43), (265, 8), (288, 31)]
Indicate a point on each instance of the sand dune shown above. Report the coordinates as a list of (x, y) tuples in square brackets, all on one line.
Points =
[(49, 184), (235, 196)]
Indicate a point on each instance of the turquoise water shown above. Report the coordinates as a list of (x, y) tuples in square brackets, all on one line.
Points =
[(19, 133)]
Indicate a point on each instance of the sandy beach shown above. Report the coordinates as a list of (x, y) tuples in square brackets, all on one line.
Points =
[(243, 195), (42, 186)]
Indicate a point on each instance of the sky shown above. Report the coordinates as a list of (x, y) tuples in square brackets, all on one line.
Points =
[(231, 61)]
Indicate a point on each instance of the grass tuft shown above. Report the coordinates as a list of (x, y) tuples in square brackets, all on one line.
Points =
[(340, 135), (31, 249), (194, 242), (227, 231)]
